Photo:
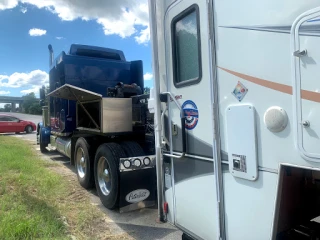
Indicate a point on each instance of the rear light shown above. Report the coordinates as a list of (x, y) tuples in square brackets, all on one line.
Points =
[(165, 207), (146, 161), (127, 164), (137, 162)]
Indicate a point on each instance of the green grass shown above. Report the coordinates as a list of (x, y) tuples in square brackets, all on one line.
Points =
[(38, 202), (28, 194)]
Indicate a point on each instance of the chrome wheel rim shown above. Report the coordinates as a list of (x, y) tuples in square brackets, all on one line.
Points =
[(29, 129), (81, 163), (104, 178)]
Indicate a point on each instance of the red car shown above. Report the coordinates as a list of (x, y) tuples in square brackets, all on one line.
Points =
[(10, 123)]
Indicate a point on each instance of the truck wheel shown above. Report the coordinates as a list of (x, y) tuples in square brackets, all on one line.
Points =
[(106, 172), (132, 149), (43, 147), (83, 163)]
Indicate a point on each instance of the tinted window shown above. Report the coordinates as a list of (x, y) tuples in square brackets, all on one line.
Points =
[(98, 54), (186, 47), (13, 119), (6, 119)]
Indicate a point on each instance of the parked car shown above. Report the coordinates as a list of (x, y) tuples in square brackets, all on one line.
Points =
[(9, 123)]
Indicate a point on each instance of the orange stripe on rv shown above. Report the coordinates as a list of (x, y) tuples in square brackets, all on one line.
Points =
[(307, 95)]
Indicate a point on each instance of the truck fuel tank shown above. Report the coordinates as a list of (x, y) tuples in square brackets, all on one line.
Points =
[(63, 146)]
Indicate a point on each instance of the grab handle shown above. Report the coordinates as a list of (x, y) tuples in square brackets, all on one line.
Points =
[(183, 126)]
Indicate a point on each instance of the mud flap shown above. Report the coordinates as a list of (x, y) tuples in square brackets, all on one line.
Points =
[(137, 189)]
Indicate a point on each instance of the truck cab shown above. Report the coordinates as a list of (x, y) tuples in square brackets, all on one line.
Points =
[(97, 115)]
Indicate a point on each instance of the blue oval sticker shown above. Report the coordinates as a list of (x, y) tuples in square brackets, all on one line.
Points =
[(191, 113)]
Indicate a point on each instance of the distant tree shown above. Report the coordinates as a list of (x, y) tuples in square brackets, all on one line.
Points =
[(35, 108), (146, 90), (7, 107), (29, 103)]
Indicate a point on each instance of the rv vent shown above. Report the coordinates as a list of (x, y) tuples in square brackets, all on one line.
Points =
[(276, 119)]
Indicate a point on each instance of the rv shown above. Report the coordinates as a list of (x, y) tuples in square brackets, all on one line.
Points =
[(236, 102)]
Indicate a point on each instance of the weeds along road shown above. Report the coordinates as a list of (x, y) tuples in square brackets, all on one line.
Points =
[(140, 225)]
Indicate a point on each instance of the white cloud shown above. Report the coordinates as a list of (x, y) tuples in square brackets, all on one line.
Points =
[(33, 79), (120, 17), (147, 76), (59, 38), (144, 36), (8, 4), (35, 90), (23, 10), (35, 32), (4, 92)]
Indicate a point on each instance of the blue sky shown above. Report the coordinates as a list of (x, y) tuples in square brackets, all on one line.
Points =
[(28, 26)]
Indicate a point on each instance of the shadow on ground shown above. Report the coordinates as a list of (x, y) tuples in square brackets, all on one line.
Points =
[(140, 224), (147, 233)]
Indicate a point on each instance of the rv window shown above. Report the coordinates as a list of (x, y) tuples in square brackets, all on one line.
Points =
[(186, 47)]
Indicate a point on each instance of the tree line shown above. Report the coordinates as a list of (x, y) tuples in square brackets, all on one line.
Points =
[(30, 105)]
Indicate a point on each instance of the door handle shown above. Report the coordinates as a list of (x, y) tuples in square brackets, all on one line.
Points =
[(183, 128), (299, 53), (306, 123), (174, 129), (164, 140)]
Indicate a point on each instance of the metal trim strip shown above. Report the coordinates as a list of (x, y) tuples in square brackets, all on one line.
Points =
[(261, 169), (275, 29), (61, 134)]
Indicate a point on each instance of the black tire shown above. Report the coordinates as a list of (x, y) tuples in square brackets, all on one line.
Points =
[(43, 148), (17, 132), (132, 149), (84, 168), (38, 129), (28, 129), (107, 157)]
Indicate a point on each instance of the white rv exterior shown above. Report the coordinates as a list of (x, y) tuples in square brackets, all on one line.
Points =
[(247, 75)]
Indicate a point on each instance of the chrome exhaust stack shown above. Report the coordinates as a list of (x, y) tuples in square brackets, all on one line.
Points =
[(51, 55)]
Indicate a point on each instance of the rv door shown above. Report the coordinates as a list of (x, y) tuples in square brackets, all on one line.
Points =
[(190, 182), (306, 57)]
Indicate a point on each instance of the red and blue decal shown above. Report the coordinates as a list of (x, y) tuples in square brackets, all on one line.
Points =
[(191, 113)]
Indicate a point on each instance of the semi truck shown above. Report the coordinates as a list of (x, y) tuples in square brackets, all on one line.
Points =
[(236, 103), (95, 113)]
